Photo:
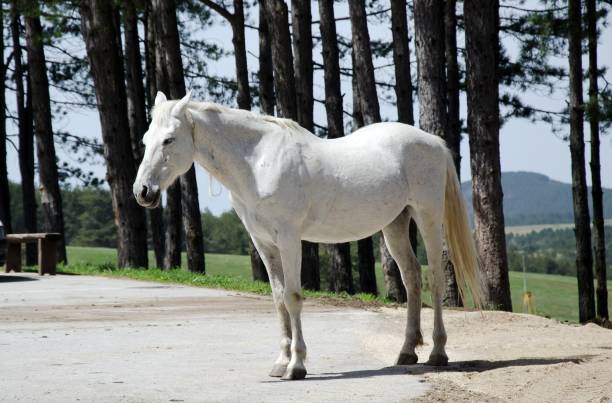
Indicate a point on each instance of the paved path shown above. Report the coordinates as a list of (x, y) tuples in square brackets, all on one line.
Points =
[(78, 338)]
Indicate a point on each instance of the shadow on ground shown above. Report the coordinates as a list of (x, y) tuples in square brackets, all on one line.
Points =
[(7, 278), (458, 366)]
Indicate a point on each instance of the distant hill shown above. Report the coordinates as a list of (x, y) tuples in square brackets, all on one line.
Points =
[(532, 198)]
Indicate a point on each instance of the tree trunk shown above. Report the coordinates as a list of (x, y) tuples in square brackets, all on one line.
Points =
[(137, 114), (280, 39), (482, 41), (265, 73), (401, 61), (50, 196), (598, 216), (192, 222), (100, 33), (240, 56), (363, 70), (365, 247), (301, 17), (340, 270), (156, 217), (5, 201), (29, 189), (26, 138), (430, 49), (453, 130), (405, 114), (173, 211), (584, 259)]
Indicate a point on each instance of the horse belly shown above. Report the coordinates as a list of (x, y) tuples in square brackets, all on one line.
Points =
[(344, 219)]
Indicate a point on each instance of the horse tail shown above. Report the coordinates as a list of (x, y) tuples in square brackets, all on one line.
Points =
[(461, 246)]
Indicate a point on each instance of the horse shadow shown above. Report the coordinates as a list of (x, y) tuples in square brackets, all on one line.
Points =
[(457, 366), (7, 278)]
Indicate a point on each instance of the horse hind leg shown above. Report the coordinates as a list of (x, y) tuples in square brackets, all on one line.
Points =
[(429, 221), (397, 239)]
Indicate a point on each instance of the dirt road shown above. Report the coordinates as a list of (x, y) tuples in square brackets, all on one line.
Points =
[(70, 338)]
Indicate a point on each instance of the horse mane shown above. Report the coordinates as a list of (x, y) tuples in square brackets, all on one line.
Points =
[(161, 114)]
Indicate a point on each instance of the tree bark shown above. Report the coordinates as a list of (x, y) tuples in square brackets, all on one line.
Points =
[(482, 41), (365, 247), (240, 56), (173, 211), (26, 137), (401, 61), (280, 39), (584, 259), (137, 114), (156, 215), (596, 191), (192, 222), (301, 17), (405, 114), (453, 131), (5, 200), (100, 33), (363, 70), (433, 117), (340, 270), (265, 73), (50, 196)]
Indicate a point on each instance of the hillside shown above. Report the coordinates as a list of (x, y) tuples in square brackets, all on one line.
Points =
[(532, 198)]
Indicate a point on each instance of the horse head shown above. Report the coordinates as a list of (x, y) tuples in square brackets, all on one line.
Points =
[(169, 149)]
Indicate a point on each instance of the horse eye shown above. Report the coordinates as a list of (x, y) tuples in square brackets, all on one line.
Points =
[(168, 141)]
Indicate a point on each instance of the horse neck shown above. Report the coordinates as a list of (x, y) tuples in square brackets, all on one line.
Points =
[(223, 146)]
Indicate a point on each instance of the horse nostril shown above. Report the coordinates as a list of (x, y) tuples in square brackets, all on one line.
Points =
[(143, 192)]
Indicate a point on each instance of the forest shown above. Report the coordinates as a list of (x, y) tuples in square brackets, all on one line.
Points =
[(445, 59)]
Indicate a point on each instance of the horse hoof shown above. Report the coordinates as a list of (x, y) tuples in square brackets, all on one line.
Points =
[(278, 370), (407, 359), (438, 360), (292, 374)]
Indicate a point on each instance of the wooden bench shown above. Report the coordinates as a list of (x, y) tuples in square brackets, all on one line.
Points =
[(47, 251)]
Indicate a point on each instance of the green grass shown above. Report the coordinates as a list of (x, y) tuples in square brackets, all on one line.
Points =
[(555, 296), (229, 272), (526, 229)]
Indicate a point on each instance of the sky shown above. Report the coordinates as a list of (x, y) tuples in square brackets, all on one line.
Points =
[(524, 146)]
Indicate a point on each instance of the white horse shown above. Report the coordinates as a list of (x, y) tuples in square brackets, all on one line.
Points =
[(287, 185)]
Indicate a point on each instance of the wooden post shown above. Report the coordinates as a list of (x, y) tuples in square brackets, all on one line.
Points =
[(13, 257), (47, 255)]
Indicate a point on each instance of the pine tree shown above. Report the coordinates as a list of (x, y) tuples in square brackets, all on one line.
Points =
[(100, 30), (584, 259), (482, 58)]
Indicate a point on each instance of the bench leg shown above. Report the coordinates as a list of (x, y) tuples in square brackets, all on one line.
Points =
[(47, 256), (13, 257)]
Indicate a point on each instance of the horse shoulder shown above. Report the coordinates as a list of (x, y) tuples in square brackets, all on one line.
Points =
[(278, 167)]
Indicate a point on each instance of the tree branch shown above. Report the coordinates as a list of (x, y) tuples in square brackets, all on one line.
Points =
[(219, 9)]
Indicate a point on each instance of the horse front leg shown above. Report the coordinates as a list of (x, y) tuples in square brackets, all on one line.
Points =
[(290, 249), (272, 260)]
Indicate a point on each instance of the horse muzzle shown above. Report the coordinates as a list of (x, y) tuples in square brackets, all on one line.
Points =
[(148, 197)]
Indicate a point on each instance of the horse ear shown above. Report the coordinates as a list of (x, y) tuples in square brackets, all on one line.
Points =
[(159, 98), (178, 109)]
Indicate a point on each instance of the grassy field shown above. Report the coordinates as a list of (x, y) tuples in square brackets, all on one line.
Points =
[(555, 296), (526, 229)]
